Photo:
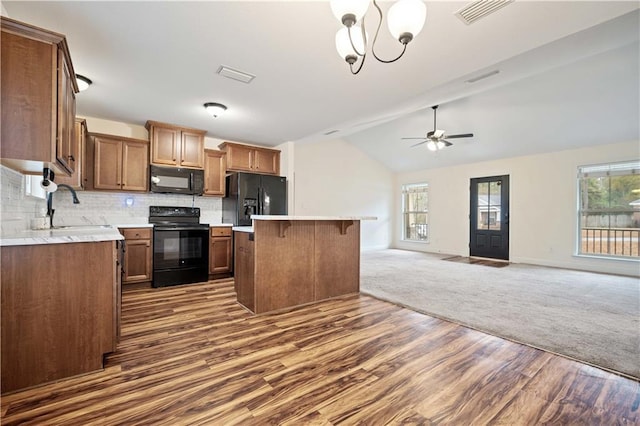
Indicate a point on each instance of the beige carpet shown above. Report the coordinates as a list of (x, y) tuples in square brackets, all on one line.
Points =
[(594, 318)]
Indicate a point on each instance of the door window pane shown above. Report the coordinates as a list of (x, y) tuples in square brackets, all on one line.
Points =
[(489, 204)]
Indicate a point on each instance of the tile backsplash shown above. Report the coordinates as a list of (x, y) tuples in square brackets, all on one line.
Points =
[(95, 208)]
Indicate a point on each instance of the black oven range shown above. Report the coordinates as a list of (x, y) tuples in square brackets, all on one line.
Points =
[(180, 246)]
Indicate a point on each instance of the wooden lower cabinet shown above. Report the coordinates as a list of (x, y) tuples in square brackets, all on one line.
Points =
[(138, 255), (60, 314), (220, 251)]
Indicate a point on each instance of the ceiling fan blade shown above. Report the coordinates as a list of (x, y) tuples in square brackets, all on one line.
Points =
[(419, 143), (462, 135), (446, 142), (414, 138)]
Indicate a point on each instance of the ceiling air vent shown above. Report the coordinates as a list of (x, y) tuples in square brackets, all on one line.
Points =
[(479, 9), (235, 74)]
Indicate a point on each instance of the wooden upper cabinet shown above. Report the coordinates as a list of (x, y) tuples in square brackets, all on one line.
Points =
[(248, 158), (135, 166), (192, 149), (38, 100), (120, 164), (267, 161), (176, 146), (214, 172), (78, 177)]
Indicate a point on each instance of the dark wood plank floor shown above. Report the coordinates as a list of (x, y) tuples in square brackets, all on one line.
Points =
[(191, 355)]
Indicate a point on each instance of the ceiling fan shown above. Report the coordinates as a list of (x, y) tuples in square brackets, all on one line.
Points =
[(437, 139)]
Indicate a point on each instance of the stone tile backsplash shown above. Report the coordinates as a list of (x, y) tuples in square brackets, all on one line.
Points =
[(95, 208)]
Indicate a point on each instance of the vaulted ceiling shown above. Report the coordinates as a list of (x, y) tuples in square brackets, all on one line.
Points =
[(568, 74)]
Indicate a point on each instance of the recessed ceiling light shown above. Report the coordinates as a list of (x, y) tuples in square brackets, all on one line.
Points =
[(83, 82)]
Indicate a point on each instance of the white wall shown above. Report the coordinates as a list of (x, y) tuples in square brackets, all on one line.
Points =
[(335, 179), (543, 200)]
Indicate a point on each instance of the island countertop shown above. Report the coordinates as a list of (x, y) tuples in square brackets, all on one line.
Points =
[(300, 217), (249, 229)]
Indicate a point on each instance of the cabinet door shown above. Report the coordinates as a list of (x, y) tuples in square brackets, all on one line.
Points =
[(65, 147), (107, 164), (214, 172), (137, 261), (239, 158), (165, 146), (220, 255), (77, 178), (192, 150), (135, 166), (266, 161)]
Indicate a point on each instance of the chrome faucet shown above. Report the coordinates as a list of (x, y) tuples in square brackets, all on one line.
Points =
[(50, 209)]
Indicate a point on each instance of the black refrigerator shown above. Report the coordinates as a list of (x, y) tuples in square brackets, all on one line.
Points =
[(249, 194)]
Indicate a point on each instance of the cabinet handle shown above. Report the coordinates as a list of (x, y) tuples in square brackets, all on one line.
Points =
[(70, 157)]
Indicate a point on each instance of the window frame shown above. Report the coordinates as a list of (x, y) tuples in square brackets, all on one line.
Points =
[(610, 169), (404, 212)]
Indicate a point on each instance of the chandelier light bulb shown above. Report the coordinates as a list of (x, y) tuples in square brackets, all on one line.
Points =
[(406, 19), (348, 12), (343, 44)]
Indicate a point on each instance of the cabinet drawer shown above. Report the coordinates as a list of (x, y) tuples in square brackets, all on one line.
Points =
[(136, 233), (221, 231)]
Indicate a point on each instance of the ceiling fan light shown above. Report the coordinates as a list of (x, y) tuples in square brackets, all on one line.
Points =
[(431, 146), (215, 109), (406, 19), (440, 145), (356, 8), (343, 44), (438, 133)]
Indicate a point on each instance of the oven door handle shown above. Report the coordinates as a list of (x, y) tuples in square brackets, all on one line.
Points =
[(180, 228)]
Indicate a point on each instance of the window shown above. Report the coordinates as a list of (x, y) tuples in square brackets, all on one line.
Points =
[(609, 209), (415, 212)]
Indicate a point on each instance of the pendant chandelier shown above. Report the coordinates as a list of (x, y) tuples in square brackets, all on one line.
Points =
[(405, 20)]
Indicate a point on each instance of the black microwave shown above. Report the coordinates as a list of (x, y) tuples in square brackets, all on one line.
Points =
[(174, 180)]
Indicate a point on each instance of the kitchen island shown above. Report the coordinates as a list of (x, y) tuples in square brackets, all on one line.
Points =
[(286, 261)]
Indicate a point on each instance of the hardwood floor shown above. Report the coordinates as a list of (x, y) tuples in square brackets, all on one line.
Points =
[(191, 355)]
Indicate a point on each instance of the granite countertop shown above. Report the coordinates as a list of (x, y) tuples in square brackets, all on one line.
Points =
[(72, 234), (134, 225), (296, 217), (243, 229)]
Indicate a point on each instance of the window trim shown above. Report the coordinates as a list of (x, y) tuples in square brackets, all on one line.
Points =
[(619, 168), (403, 212)]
